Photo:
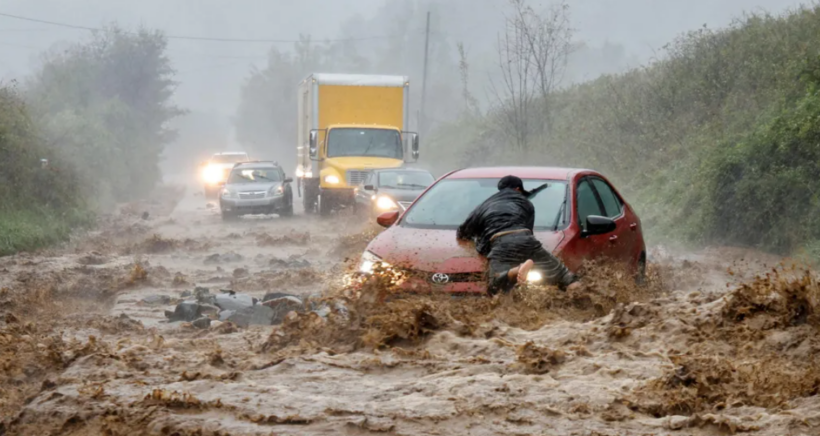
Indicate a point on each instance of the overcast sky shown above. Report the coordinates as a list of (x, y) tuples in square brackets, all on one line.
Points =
[(210, 72)]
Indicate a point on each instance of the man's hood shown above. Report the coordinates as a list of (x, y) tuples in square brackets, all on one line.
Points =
[(437, 250)]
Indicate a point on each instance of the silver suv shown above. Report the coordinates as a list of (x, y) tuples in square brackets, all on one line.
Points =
[(256, 188)]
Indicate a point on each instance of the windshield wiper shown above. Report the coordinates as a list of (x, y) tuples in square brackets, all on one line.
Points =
[(412, 185), (364, 153)]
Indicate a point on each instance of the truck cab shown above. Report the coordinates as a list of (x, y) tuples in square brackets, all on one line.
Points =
[(349, 125)]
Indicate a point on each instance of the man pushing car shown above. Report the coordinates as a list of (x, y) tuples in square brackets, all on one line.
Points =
[(502, 227)]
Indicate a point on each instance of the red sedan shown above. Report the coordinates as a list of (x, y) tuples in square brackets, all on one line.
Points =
[(579, 216)]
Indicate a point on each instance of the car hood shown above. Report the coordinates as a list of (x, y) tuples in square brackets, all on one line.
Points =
[(436, 250), (251, 187), (401, 194)]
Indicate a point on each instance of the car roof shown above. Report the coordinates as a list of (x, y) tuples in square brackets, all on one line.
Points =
[(257, 164), (550, 173), (229, 153)]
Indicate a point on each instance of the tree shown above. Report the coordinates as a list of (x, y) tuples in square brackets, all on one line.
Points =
[(532, 58)]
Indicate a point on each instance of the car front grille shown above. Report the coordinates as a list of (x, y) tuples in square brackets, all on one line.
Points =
[(451, 278), (405, 204), (354, 177), (251, 195)]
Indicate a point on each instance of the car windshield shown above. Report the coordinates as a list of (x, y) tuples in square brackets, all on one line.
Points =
[(229, 158), (254, 175), (405, 180), (448, 203), (364, 142)]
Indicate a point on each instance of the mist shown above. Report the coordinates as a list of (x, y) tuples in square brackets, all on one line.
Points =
[(387, 35)]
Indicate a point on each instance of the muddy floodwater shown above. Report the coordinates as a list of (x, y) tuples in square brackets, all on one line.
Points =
[(720, 341)]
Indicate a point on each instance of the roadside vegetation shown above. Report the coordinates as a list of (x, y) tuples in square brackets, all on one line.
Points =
[(716, 142), (97, 112)]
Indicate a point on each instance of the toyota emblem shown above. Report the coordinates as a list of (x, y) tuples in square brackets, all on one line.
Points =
[(440, 278)]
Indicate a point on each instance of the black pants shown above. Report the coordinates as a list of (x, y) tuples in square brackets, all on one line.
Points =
[(510, 251)]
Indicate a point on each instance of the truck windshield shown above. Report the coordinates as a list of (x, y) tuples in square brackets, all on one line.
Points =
[(364, 142)]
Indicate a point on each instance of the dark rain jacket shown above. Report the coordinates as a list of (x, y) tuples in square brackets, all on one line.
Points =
[(505, 210)]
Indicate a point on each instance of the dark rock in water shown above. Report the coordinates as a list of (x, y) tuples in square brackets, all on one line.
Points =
[(185, 311), (157, 300), (240, 272), (228, 257), (185, 294), (145, 215), (202, 323), (234, 301), (282, 306), (290, 263)]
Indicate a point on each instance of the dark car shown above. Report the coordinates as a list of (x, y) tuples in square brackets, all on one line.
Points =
[(256, 188), (391, 189), (579, 216)]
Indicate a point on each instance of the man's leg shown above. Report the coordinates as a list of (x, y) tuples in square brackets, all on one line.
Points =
[(553, 270), (500, 279)]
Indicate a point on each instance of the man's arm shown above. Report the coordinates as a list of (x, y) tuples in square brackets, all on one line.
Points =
[(530, 216), (470, 227)]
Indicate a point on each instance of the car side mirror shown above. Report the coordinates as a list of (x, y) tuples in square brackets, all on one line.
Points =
[(387, 219), (288, 180), (598, 225), (369, 188), (414, 138)]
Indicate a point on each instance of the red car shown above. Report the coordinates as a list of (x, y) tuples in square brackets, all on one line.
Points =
[(579, 216)]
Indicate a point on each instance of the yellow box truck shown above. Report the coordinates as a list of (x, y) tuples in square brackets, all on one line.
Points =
[(349, 125)]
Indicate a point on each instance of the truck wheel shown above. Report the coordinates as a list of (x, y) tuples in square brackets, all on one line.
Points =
[(324, 206)]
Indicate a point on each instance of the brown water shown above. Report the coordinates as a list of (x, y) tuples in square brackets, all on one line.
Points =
[(694, 353)]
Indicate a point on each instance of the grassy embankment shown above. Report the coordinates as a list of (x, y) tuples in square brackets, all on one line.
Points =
[(718, 142)]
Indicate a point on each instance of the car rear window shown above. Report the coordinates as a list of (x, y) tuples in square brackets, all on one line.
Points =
[(448, 203)]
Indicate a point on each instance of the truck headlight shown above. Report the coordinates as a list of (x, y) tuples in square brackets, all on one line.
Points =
[(212, 174), (534, 277), (332, 179), (369, 260), (386, 203)]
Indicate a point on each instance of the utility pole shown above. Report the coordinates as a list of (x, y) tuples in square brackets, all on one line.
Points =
[(422, 118)]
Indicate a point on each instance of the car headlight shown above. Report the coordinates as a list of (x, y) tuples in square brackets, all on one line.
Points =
[(386, 203), (227, 193), (276, 191), (332, 179), (212, 174), (534, 277), (369, 260)]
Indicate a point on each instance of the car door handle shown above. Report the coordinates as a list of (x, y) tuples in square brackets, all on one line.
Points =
[(613, 238), (633, 226)]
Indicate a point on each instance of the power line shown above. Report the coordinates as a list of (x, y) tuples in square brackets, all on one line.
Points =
[(201, 38)]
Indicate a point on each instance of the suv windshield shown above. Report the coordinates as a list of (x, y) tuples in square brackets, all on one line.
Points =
[(405, 179), (229, 158), (254, 175), (447, 204), (364, 142)]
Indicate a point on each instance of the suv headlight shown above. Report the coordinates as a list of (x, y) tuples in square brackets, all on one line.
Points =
[(386, 203), (276, 191), (369, 260), (534, 277), (227, 193)]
